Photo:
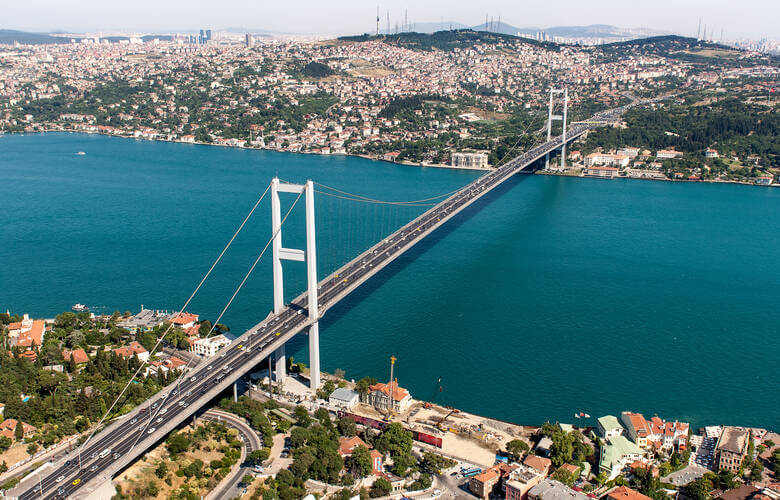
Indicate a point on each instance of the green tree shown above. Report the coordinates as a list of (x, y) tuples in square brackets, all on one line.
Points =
[(363, 384), (161, 470), (302, 416), (360, 461), (433, 463), (380, 488), (517, 447), (177, 443), (19, 431), (564, 476), (395, 440), (346, 426)]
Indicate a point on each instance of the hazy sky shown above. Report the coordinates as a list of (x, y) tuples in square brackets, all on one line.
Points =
[(745, 18)]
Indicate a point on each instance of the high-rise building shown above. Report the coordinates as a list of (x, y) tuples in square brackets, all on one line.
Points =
[(249, 40), (208, 35)]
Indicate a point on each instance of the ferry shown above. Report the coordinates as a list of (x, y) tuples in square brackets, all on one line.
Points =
[(81, 153), (79, 308)]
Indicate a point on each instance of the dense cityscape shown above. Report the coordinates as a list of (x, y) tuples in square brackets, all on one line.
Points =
[(666, 107)]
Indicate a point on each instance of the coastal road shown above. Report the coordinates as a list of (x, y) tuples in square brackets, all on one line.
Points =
[(119, 444)]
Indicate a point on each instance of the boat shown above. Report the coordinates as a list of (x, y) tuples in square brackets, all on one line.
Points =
[(80, 308), (81, 153)]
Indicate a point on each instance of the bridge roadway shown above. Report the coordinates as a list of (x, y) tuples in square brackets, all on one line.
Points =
[(131, 435)]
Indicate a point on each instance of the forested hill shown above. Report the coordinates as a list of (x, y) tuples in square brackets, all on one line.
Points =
[(446, 40), (23, 37), (672, 46)]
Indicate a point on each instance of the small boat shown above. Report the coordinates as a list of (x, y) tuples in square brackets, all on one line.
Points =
[(80, 308), (81, 153)]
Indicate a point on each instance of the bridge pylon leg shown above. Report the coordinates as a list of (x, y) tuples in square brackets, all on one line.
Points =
[(314, 355), (280, 368)]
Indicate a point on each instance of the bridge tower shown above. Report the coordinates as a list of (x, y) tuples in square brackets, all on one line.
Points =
[(310, 257), (550, 118)]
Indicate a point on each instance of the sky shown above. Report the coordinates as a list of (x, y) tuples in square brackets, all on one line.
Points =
[(752, 19)]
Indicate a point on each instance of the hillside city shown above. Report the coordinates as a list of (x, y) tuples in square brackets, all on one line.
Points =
[(695, 111), (460, 99)]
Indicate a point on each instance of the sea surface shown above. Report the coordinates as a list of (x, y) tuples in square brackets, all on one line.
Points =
[(550, 296)]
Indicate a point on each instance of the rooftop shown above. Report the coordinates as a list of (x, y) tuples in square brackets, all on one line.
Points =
[(733, 439), (550, 489)]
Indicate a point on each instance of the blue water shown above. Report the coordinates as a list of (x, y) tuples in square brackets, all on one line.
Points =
[(550, 296)]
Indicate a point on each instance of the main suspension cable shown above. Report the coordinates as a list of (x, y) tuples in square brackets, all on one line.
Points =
[(224, 310), (197, 289)]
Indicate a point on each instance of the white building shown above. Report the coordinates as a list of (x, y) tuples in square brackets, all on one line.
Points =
[(668, 153), (209, 347), (470, 160), (610, 160), (344, 398)]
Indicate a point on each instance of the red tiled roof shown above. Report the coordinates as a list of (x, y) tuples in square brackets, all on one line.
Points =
[(79, 356), (539, 463), (626, 493), (399, 393)]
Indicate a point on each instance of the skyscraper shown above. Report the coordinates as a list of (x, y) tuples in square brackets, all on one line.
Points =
[(249, 40)]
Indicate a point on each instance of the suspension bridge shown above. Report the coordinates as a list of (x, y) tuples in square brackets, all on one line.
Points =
[(84, 471)]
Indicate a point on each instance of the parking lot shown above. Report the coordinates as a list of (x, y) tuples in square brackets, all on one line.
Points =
[(705, 451)]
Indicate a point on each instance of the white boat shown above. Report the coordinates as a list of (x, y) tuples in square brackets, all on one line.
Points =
[(79, 308), (81, 153)]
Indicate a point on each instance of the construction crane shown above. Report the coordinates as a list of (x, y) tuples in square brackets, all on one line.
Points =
[(392, 384)]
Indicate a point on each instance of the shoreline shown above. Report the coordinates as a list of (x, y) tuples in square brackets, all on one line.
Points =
[(403, 163), (196, 143)]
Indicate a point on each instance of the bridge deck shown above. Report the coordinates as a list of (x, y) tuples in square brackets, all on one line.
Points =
[(131, 435)]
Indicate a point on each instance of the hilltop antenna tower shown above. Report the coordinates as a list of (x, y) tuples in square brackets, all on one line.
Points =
[(377, 20), (406, 20), (698, 32), (388, 23)]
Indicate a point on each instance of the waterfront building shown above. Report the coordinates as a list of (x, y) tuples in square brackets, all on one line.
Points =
[(656, 433), (185, 320), (617, 453), (549, 489), (609, 160), (609, 426), (379, 397), (27, 332), (731, 448), (144, 320), (764, 180), (210, 346), (343, 398), (470, 160)]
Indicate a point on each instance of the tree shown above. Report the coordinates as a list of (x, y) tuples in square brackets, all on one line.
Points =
[(204, 328), (346, 426), (19, 430), (564, 476), (380, 488), (5, 443), (421, 483), (395, 440), (756, 471), (403, 464), (360, 461), (433, 463), (363, 384), (259, 456), (161, 470), (177, 443), (302, 416), (517, 447)]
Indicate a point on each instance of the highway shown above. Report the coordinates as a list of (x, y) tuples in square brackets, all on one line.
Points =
[(122, 441)]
